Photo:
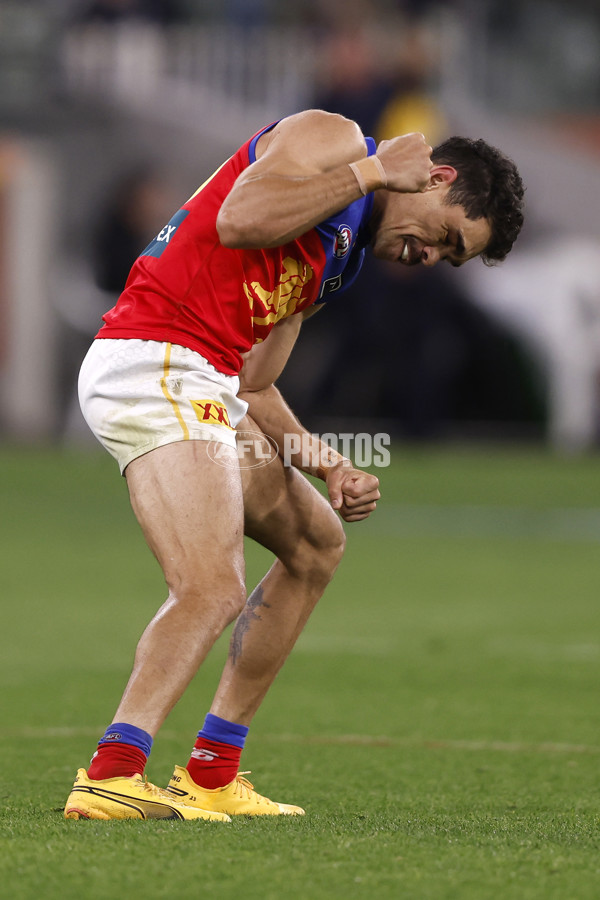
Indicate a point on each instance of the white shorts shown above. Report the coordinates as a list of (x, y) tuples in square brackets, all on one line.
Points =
[(138, 395)]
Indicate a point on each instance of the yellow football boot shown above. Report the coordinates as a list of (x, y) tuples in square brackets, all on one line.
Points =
[(238, 798), (129, 798)]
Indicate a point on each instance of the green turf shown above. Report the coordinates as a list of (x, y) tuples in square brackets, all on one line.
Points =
[(438, 719)]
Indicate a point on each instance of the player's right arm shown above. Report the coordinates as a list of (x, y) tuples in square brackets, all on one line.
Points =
[(302, 176)]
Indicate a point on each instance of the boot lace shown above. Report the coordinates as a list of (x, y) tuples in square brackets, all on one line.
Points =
[(244, 789), (155, 791)]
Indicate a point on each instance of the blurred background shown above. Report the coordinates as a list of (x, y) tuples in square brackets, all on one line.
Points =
[(112, 112)]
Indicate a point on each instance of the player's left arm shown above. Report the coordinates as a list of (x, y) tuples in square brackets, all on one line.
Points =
[(352, 492), (264, 363)]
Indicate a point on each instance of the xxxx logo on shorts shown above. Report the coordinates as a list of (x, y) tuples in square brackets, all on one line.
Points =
[(209, 412)]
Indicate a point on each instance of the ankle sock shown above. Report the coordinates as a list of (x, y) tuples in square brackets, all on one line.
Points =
[(122, 752), (215, 759)]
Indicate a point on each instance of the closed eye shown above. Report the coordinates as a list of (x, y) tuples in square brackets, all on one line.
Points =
[(459, 242)]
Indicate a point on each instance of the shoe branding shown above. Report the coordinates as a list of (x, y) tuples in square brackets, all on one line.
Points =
[(146, 808), (204, 755), (177, 792)]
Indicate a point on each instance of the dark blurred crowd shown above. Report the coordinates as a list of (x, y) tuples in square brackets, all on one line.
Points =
[(257, 13)]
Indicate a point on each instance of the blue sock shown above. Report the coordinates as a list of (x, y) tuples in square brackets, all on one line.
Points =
[(223, 732), (121, 732), (122, 752)]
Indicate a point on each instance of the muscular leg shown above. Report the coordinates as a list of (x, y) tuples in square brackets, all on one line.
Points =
[(286, 514), (191, 513)]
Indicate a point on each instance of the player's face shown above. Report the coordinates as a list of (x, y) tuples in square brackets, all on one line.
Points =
[(415, 229)]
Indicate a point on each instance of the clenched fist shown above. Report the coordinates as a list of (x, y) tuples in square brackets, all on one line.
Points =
[(407, 162), (352, 492)]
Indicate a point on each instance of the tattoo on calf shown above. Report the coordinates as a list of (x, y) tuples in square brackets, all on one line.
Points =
[(247, 616)]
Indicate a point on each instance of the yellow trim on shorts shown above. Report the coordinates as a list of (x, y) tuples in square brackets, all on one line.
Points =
[(166, 392)]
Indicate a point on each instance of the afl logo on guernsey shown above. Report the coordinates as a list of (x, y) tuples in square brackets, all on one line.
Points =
[(342, 242)]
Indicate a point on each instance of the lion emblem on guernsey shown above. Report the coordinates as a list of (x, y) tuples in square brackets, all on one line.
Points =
[(269, 306), (342, 242)]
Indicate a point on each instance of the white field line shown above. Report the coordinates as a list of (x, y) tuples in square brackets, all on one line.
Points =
[(555, 524), (353, 740)]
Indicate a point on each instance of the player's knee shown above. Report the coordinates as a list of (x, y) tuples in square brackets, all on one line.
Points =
[(332, 543), (322, 547), (234, 602), (215, 600)]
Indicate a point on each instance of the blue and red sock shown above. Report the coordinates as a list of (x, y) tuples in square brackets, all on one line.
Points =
[(215, 759), (122, 752), (124, 749)]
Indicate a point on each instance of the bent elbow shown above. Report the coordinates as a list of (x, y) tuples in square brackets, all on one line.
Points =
[(229, 231), (242, 234)]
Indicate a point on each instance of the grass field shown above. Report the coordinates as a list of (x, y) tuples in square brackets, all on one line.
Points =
[(438, 719)]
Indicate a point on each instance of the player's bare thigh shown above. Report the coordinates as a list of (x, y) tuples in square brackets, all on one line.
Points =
[(282, 509), (191, 512)]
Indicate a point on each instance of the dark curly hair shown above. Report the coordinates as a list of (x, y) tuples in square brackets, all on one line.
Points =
[(488, 185)]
